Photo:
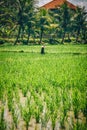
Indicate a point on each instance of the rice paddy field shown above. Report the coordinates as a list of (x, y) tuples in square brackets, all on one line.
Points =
[(43, 91)]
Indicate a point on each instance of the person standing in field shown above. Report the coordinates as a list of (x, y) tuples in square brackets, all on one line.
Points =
[(42, 50)]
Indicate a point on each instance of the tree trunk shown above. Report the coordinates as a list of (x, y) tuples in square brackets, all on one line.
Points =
[(22, 34), (34, 38), (63, 38), (84, 36), (41, 35), (28, 37), (78, 32), (77, 38), (19, 31), (69, 38)]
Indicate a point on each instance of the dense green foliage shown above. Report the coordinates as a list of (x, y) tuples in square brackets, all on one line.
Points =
[(25, 23), (52, 85)]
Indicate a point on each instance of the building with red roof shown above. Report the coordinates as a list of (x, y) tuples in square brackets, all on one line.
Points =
[(57, 3)]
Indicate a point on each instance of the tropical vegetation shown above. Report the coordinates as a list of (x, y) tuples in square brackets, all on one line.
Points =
[(21, 21)]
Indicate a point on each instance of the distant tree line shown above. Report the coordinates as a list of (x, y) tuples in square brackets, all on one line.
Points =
[(22, 20)]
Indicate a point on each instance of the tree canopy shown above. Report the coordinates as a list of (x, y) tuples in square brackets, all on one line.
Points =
[(23, 20)]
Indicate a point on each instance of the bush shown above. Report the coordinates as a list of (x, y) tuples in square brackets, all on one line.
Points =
[(2, 41)]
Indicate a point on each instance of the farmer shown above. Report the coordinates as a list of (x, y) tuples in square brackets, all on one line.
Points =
[(42, 50)]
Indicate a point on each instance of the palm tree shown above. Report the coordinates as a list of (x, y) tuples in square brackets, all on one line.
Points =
[(43, 20), (20, 20), (7, 16), (80, 23), (53, 27), (25, 16), (30, 11), (64, 19)]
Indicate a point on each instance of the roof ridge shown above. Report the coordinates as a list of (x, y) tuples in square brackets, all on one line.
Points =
[(54, 3)]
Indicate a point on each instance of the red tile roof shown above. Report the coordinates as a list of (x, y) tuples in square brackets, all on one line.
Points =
[(57, 3), (72, 6)]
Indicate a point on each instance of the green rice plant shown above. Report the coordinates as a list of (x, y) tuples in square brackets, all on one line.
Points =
[(10, 99), (38, 107), (64, 105), (84, 104), (27, 111), (52, 107), (24, 91), (1, 91), (45, 118), (26, 114), (76, 102), (62, 120), (79, 126), (54, 118), (15, 117), (37, 114), (2, 121), (16, 96)]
